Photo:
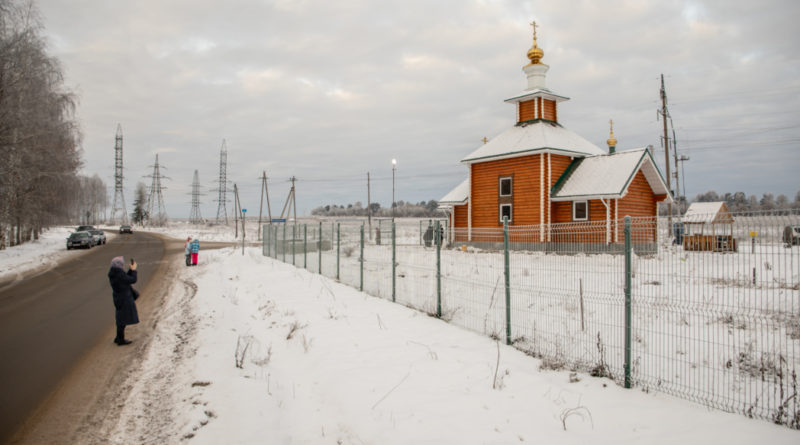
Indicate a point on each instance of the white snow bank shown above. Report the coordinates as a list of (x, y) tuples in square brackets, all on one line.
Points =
[(325, 363), (44, 253)]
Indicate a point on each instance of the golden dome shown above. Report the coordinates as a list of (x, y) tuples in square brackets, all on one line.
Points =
[(535, 54), (612, 141)]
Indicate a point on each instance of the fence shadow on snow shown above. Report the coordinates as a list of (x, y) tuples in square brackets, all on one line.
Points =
[(716, 322)]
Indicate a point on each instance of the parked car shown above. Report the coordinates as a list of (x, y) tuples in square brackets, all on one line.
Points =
[(84, 228), (98, 236), (125, 229), (80, 239), (791, 235)]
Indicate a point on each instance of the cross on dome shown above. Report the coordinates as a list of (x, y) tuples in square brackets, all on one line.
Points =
[(612, 141), (535, 54)]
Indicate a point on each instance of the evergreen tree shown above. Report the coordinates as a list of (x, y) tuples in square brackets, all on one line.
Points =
[(139, 215)]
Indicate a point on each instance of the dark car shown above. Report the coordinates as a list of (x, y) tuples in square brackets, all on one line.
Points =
[(125, 229), (84, 228), (80, 239), (98, 236)]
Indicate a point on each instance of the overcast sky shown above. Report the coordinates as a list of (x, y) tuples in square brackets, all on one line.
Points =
[(329, 90)]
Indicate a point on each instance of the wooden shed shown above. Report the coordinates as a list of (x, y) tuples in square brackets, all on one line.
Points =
[(708, 226)]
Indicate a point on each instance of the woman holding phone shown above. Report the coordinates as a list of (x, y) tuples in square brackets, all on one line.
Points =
[(123, 297)]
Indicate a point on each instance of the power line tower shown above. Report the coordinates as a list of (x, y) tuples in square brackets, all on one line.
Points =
[(119, 195), (222, 212), (194, 215), (159, 217)]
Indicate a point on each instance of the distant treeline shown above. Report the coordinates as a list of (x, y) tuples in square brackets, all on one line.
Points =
[(401, 209), (740, 202)]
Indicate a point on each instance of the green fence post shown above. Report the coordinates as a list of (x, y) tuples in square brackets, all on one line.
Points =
[(508, 281), (294, 237), (438, 271), (627, 301), (264, 241), (338, 246), (275, 242), (284, 242), (361, 259), (394, 264), (319, 248), (305, 246)]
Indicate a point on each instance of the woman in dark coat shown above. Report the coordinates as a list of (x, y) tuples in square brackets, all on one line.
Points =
[(123, 297)]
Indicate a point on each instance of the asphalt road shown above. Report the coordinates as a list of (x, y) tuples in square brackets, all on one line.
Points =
[(50, 320)]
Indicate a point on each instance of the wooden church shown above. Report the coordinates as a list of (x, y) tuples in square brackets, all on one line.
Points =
[(540, 175)]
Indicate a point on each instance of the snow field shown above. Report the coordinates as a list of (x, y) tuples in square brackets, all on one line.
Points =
[(358, 369), (44, 253), (700, 328)]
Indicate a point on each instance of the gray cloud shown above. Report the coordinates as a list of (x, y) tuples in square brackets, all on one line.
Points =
[(327, 91)]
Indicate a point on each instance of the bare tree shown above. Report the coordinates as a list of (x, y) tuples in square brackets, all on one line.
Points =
[(39, 136)]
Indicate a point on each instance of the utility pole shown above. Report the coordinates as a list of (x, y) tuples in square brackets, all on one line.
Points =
[(677, 177), (156, 197), (264, 191), (683, 159), (119, 195), (664, 114), (194, 214), (369, 210), (236, 211), (290, 202), (222, 212)]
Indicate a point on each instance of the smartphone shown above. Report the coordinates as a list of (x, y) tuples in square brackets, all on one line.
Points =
[(132, 261)]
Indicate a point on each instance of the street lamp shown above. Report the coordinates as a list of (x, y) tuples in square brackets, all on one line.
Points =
[(394, 167)]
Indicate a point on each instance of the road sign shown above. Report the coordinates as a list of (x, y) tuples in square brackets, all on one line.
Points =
[(244, 210), (279, 220)]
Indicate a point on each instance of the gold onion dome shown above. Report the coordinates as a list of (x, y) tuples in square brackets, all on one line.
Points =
[(535, 54), (612, 141)]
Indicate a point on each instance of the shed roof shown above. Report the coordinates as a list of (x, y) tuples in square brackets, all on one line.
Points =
[(457, 196), (525, 139), (608, 176), (707, 213)]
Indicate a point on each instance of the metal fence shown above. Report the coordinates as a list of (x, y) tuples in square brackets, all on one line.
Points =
[(716, 322)]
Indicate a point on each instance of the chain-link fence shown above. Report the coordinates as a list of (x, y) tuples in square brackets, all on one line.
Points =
[(707, 312)]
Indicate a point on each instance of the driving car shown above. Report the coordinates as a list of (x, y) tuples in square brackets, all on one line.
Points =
[(125, 229), (98, 236), (80, 239), (84, 228)]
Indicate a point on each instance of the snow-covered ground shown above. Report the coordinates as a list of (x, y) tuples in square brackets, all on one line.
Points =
[(251, 350), (359, 369), (46, 252)]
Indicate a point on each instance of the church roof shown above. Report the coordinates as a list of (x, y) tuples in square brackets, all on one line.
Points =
[(457, 196), (607, 176), (525, 139)]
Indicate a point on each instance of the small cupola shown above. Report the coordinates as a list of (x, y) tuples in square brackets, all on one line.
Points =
[(536, 103), (536, 71), (612, 141)]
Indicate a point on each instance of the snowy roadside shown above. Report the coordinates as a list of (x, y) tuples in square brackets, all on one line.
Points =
[(44, 253), (251, 350), (204, 232)]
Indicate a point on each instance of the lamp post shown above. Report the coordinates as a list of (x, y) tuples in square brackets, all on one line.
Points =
[(394, 167)]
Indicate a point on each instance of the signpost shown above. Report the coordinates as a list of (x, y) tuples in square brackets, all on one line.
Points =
[(243, 214)]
